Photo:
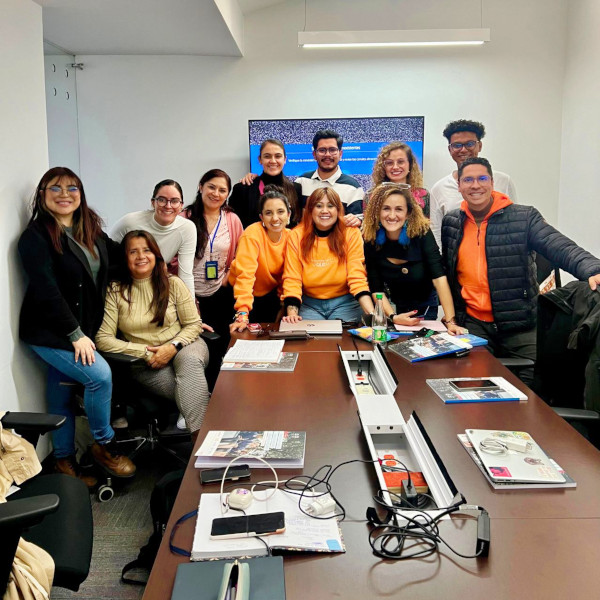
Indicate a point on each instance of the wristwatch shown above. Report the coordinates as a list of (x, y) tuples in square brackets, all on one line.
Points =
[(178, 345)]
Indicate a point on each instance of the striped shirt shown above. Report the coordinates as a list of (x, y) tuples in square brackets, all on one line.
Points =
[(349, 190)]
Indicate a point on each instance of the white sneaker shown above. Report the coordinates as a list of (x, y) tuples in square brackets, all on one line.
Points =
[(181, 423)]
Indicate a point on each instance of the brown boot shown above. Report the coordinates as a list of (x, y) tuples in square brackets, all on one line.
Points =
[(68, 466), (108, 457)]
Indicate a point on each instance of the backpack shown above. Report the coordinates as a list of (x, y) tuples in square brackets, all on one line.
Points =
[(161, 503)]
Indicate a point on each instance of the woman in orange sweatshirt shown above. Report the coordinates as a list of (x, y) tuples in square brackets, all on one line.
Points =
[(324, 275), (257, 270)]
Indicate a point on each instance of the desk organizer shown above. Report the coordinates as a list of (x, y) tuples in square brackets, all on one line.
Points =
[(385, 429)]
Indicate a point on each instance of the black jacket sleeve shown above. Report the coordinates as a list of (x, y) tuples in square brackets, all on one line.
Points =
[(559, 249), (372, 266), (431, 255)]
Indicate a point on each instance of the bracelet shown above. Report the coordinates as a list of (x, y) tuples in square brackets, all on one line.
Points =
[(241, 316), (390, 318), (451, 321)]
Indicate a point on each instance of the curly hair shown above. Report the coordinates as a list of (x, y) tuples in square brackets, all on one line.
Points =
[(417, 222), (464, 125), (415, 177), (337, 238)]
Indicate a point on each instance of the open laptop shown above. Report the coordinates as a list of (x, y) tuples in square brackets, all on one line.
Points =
[(532, 466), (314, 327)]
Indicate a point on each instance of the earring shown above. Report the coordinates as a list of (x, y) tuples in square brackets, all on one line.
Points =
[(380, 235)]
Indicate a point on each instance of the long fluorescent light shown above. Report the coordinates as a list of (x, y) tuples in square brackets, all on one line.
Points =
[(383, 38)]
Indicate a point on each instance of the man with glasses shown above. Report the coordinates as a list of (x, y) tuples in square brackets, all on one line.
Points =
[(327, 151), (464, 141), (488, 248)]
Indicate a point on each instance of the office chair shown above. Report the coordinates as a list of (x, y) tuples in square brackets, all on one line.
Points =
[(51, 511), (158, 415)]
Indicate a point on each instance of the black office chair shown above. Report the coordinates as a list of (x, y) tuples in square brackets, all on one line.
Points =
[(51, 511), (158, 415)]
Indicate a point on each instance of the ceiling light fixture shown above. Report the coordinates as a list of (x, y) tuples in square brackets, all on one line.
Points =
[(387, 38)]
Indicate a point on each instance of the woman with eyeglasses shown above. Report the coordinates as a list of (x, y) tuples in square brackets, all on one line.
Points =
[(175, 236), (218, 232), (396, 163), (324, 274), (245, 196), (157, 320), (403, 259), (66, 257)]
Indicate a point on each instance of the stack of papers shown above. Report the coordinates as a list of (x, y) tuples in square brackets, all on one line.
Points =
[(247, 351)]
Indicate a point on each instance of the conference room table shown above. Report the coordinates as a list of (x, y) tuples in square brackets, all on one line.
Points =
[(545, 543)]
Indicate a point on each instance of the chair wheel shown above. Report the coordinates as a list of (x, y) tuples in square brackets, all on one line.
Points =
[(105, 493)]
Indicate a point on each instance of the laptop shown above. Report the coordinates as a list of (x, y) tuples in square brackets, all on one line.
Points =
[(314, 327), (531, 466)]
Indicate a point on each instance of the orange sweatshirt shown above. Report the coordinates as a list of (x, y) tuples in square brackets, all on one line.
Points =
[(323, 276), (471, 266), (258, 265)]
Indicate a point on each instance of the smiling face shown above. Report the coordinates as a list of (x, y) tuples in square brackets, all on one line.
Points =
[(275, 215), (397, 166), (459, 155), (272, 159), (327, 155), (167, 204), (324, 214), (214, 193), (62, 198), (140, 259), (478, 194), (393, 215)]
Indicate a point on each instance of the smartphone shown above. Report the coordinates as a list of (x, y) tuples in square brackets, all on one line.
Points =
[(248, 526), (234, 473), (473, 385), (209, 335)]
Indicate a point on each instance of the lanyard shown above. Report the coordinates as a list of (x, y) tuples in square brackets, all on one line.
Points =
[(211, 242)]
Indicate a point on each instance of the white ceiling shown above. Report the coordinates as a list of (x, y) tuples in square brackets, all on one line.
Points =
[(142, 26)]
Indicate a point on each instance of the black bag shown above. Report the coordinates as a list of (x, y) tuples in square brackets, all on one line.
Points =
[(161, 503)]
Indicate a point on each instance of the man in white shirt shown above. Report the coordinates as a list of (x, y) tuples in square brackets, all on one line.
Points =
[(464, 141)]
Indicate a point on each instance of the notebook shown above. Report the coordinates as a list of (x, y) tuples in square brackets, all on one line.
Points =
[(530, 466), (316, 327)]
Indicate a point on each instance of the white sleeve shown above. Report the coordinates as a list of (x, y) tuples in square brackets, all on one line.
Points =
[(121, 227), (512, 190), (436, 215), (186, 254)]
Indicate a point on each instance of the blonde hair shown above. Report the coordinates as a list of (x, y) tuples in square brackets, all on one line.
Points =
[(417, 224), (415, 177)]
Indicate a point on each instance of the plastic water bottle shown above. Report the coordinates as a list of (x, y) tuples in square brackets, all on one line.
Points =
[(379, 322)]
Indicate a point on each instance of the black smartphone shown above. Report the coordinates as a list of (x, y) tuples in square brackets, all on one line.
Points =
[(209, 335), (234, 473), (248, 526), (473, 385)]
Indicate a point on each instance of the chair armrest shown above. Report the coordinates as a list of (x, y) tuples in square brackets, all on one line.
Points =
[(516, 363), (25, 512), (29, 422), (577, 414), (121, 359)]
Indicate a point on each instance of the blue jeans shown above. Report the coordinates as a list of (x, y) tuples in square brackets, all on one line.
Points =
[(97, 381), (345, 308)]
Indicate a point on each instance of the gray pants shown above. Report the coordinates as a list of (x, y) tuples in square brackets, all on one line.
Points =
[(518, 344), (181, 380)]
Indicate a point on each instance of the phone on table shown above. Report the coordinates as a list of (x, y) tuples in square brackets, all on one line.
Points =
[(209, 335), (248, 526), (473, 385), (234, 473)]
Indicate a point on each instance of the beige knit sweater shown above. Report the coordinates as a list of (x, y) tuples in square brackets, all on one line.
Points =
[(182, 322)]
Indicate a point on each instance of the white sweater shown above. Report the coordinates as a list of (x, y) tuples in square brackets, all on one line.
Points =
[(177, 239)]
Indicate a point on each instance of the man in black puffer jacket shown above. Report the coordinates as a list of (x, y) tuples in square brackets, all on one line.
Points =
[(488, 248)]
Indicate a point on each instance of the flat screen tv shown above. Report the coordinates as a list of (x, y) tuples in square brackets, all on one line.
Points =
[(363, 138)]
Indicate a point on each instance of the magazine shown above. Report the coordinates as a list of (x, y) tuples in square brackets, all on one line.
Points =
[(282, 449), (503, 392), (286, 364), (422, 348)]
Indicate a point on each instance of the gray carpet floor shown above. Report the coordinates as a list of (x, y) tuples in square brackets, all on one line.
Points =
[(121, 527)]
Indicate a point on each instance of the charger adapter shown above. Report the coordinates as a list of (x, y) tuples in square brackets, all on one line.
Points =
[(321, 505)]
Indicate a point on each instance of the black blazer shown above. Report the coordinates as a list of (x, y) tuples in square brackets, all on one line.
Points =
[(62, 294)]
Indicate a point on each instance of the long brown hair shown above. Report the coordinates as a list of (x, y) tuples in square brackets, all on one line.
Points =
[(87, 225), (415, 177), (160, 279), (337, 238), (417, 224)]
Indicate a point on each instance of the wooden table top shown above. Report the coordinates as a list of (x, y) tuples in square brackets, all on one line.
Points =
[(539, 546)]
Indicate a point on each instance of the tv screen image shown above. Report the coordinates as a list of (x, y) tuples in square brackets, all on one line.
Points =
[(363, 138)]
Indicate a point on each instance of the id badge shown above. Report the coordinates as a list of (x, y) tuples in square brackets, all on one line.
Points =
[(212, 269)]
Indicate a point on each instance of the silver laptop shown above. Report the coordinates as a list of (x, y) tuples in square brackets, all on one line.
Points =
[(531, 466), (314, 327)]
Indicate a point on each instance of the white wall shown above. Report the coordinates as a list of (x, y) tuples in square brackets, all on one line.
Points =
[(579, 206), (146, 118), (23, 160)]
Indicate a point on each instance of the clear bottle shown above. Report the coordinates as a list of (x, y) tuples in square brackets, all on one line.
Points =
[(379, 322)]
